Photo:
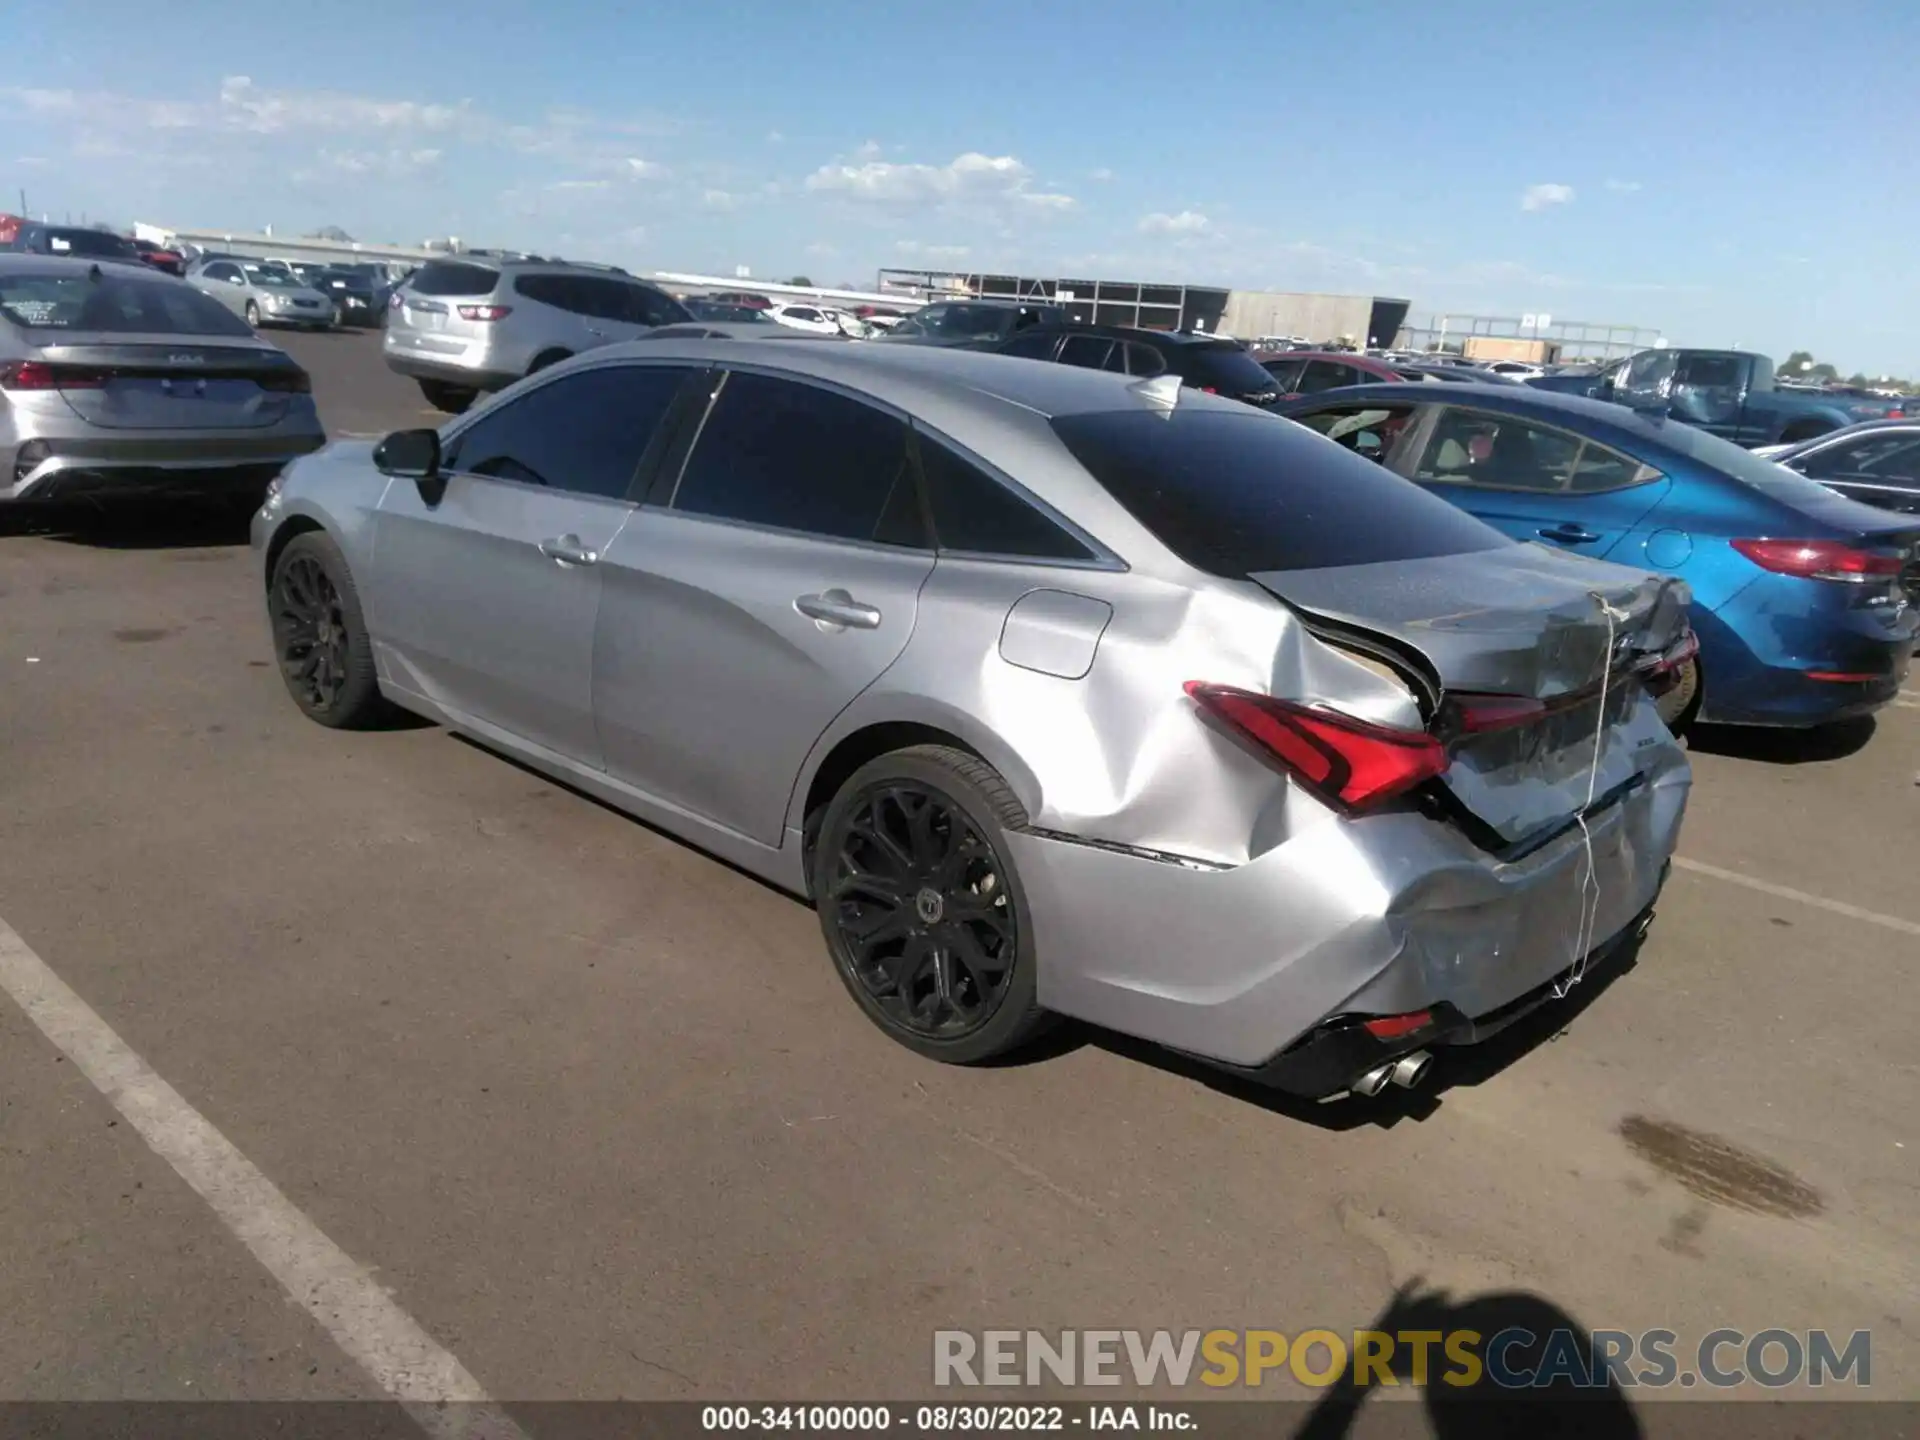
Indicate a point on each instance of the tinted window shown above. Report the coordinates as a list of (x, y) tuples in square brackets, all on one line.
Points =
[(1646, 370), (1227, 368), (1089, 351), (647, 306), (974, 512), (118, 303), (1889, 456), (1238, 494), (555, 290), (95, 243), (584, 432), (221, 271), (1145, 360), (1323, 375), (1712, 372), (923, 322), (1286, 373), (446, 277), (1036, 345), (774, 452)]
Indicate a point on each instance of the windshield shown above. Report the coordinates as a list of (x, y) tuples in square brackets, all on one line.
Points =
[(126, 304), (261, 275), (1767, 476)]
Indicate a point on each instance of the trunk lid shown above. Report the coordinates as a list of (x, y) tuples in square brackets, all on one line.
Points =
[(157, 383), (1531, 623)]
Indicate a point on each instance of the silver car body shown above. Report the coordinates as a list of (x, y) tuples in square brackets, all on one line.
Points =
[(1182, 888), (275, 296), (114, 379), (481, 324)]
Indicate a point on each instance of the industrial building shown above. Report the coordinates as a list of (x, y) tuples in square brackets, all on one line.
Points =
[(1246, 314)]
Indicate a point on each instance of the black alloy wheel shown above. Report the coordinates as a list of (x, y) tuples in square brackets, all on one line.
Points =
[(319, 638), (922, 912)]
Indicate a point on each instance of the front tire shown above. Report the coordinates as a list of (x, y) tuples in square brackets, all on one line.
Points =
[(320, 635), (449, 399), (923, 913)]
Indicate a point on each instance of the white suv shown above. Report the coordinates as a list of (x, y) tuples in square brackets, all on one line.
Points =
[(468, 324)]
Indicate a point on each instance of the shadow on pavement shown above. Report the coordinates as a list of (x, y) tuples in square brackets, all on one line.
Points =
[(1523, 1337), (1784, 747), (173, 524)]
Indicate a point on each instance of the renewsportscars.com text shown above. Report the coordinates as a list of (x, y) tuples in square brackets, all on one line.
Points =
[(1513, 1358)]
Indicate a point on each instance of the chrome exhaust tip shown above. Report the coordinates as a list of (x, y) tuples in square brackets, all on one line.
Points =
[(1373, 1082), (1409, 1070)]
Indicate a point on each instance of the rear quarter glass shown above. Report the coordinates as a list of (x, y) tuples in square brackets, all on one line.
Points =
[(1237, 494), (444, 278), (1230, 368)]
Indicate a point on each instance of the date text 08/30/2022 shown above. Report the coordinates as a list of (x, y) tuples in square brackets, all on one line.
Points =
[(944, 1419)]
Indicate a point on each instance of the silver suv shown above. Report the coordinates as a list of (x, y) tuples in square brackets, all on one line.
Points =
[(470, 324)]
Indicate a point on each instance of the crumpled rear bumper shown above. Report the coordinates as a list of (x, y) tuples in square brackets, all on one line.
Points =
[(1375, 916)]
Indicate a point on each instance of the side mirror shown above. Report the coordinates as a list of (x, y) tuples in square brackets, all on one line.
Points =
[(413, 455), (236, 279)]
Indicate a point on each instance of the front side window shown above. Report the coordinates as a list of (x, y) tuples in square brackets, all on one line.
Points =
[(796, 457), (1502, 452), (1322, 375), (1646, 371), (585, 432), (647, 306), (1369, 430), (975, 513), (923, 322)]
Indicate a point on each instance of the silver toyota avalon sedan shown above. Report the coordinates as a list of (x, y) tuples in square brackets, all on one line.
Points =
[(1056, 693)]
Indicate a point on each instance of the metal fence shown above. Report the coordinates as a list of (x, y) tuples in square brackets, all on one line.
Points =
[(1576, 339)]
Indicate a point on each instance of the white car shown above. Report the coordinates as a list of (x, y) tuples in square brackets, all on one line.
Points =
[(815, 318), (1516, 369)]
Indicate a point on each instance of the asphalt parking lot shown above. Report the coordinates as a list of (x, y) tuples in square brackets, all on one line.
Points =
[(593, 1110)]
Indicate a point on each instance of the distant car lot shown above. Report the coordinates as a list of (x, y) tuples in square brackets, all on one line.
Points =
[(593, 1106)]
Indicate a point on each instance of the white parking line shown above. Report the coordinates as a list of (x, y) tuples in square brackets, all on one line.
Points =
[(1905, 704), (1819, 902), (334, 1288)]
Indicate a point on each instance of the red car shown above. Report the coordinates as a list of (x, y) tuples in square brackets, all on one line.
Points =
[(1308, 372), (171, 261)]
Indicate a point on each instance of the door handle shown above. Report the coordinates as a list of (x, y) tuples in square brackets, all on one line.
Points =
[(568, 550), (1569, 534), (837, 607)]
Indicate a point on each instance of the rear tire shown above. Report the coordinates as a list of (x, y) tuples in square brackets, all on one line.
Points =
[(450, 399), (923, 913), (320, 635), (1680, 705)]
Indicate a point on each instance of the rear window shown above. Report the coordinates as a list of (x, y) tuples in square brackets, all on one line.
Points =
[(1235, 495), (440, 277), (1228, 367), (115, 304)]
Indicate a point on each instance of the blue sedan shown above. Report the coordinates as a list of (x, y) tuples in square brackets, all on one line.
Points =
[(1804, 602)]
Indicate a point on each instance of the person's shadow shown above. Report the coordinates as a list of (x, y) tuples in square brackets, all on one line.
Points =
[(1485, 1410)]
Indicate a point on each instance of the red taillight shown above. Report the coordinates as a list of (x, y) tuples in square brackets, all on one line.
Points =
[(1847, 677), (1478, 714), (1208, 390), (38, 375), (1818, 559), (485, 312), (1393, 1027), (286, 382), (1354, 763), (1895, 415)]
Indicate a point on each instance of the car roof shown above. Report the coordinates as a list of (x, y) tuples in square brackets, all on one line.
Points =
[(1515, 399), (21, 262)]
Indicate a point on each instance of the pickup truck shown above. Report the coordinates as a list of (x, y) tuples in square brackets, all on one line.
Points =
[(1729, 393)]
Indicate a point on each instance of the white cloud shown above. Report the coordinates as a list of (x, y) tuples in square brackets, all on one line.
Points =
[(871, 150), (391, 164), (820, 250), (932, 252), (639, 169), (1101, 174), (579, 185), (720, 200), (1539, 197), (31, 162), (245, 106), (971, 180), (1623, 187), (1187, 222), (774, 137)]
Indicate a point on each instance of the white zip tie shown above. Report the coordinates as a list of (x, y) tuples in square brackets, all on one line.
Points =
[(1590, 881)]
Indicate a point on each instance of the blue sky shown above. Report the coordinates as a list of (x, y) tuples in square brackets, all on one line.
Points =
[(1726, 173)]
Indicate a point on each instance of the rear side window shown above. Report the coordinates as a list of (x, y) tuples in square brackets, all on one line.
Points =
[(1034, 345), (775, 452), (115, 304), (1088, 351), (1144, 360), (975, 513), (1235, 495), (447, 277), (647, 306), (584, 433)]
